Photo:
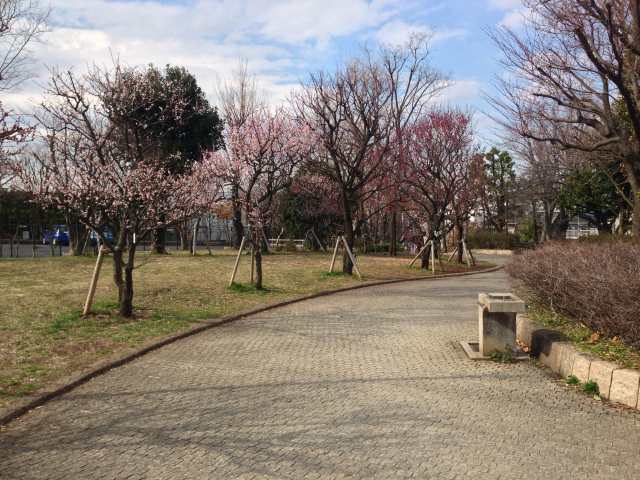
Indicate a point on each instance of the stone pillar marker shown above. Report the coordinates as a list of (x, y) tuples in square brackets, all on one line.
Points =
[(496, 325)]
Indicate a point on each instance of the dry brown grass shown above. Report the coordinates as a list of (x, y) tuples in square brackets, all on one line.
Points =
[(43, 337)]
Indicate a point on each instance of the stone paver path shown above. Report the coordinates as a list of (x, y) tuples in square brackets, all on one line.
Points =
[(366, 384)]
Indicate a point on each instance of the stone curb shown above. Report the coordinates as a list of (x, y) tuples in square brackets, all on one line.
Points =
[(71, 383), (553, 349)]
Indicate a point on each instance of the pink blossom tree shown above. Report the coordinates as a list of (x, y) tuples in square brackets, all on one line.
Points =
[(439, 164), (99, 164), (259, 160)]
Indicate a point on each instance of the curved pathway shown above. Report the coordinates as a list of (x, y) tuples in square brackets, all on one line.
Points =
[(364, 384)]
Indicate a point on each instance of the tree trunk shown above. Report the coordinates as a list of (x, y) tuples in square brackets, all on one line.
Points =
[(238, 228), (183, 232), (126, 302), (347, 266), (534, 217), (394, 234), (258, 259), (159, 241), (78, 235), (117, 272), (460, 233), (426, 256), (633, 177), (635, 225), (546, 226)]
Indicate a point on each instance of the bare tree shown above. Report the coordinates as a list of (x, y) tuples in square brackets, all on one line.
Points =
[(414, 83), (545, 170), (21, 23), (573, 81), (358, 115), (349, 114)]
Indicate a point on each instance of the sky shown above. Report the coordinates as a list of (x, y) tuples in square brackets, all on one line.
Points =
[(281, 40)]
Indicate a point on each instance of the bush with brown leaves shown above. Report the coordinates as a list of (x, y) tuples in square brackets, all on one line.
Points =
[(597, 284)]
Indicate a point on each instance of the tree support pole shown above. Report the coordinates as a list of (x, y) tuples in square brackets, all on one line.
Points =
[(235, 267), (452, 255), (94, 282), (470, 259), (313, 232), (419, 253), (353, 260), (335, 253)]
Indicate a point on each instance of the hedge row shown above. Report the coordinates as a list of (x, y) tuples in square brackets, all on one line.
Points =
[(490, 239), (597, 284)]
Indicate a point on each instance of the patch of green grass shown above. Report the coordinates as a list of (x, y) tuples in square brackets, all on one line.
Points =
[(573, 380), (505, 356), (63, 322), (591, 387), (585, 339), (332, 274), (247, 288)]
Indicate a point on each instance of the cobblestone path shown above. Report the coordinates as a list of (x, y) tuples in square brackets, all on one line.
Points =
[(365, 384)]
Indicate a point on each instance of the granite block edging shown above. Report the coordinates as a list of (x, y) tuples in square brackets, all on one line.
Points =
[(553, 349)]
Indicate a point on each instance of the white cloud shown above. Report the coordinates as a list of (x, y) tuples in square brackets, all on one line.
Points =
[(516, 13), (515, 18), (460, 91), (397, 32), (505, 4), (280, 39), (208, 37), (303, 20)]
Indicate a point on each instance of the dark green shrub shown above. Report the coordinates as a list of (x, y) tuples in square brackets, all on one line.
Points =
[(490, 239)]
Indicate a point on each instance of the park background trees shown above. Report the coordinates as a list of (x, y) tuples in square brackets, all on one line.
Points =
[(366, 141), (572, 82), (358, 115)]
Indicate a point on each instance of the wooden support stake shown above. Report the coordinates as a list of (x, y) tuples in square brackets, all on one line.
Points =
[(266, 240), (94, 282), (278, 239), (353, 260), (470, 260), (335, 252), (455, 250), (419, 253), (313, 232), (235, 267)]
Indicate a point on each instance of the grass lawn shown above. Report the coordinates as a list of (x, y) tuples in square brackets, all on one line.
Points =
[(44, 338)]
